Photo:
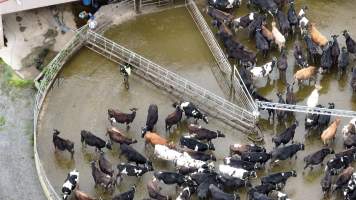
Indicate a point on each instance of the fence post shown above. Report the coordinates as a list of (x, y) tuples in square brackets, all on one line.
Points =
[(232, 90)]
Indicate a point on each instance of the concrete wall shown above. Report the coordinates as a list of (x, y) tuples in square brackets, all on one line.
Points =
[(1, 33), (11, 6)]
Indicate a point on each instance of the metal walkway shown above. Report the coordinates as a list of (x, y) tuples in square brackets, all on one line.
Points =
[(174, 84)]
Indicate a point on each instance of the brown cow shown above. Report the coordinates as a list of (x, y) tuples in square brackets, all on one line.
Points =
[(154, 138), (330, 132), (116, 136), (316, 36), (79, 195)]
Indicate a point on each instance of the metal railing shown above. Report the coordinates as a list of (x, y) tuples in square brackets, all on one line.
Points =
[(171, 82), (242, 95), (43, 85), (305, 109)]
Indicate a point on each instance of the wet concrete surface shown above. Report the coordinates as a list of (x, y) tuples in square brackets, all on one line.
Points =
[(90, 84), (18, 173)]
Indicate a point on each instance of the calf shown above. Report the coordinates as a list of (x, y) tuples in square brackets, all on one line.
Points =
[(116, 136), (152, 118), (350, 43), (299, 56), (286, 152), (244, 148), (128, 195), (286, 136), (336, 164), (174, 118), (278, 179), (283, 23), (232, 183), (343, 61), (132, 170), (216, 193), (343, 178), (236, 172), (201, 156), (317, 157), (134, 156), (62, 144), (115, 116), (105, 165), (189, 142), (236, 162), (70, 183), (203, 134), (335, 49), (256, 157), (170, 178), (154, 191), (87, 138), (325, 182), (165, 153), (100, 178), (190, 110)]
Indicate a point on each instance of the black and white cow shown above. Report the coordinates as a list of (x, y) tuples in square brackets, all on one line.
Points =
[(238, 163), (326, 182), (217, 193), (266, 5), (279, 179), (190, 110), (286, 152), (236, 172), (128, 195), (262, 189), (336, 164), (186, 193), (244, 21), (191, 143), (170, 178), (350, 153), (232, 183), (152, 118), (224, 4), (134, 156), (70, 183), (201, 133), (132, 170), (198, 155), (256, 157)]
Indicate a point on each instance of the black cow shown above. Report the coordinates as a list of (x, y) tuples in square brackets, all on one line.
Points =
[(154, 191), (105, 165), (255, 25), (292, 17), (326, 60), (232, 183), (286, 136), (62, 144), (286, 152), (350, 43), (203, 187), (343, 60), (282, 62), (132, 170), (245, 57), (70, 183), (353, 79), (115, 116), (336, 164), (281, 114), (170, 178), (134, 156), (266, 5), (283, 23), (173, 118), (152, 118), (238, 163), (259, 196), (335, 49), (189, 142), (197, 155), (246, 77), (218, 194), (128, 195), (201, 133), (263, 188), (279, 179), (317, 157), (325, 182), (219, 15), (324, 120), (261, 43), (343, 178), (256, 157), (290, 97), (350, 141), (190, 110), (87, 138), (299, 56), (314, 50)]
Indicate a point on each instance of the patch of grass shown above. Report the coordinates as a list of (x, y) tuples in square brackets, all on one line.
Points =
[(2, 121), (12, 79)]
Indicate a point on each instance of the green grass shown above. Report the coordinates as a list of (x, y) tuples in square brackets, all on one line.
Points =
[(2, 121), (11, 78)]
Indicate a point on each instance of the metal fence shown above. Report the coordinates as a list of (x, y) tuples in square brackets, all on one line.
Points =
[(171, 82), (43, 84), (242, 95)]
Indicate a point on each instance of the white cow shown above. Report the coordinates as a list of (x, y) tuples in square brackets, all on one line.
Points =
[(165, 153)]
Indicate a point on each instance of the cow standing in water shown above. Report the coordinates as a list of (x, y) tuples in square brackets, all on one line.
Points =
[(70, 183), (190, 110)]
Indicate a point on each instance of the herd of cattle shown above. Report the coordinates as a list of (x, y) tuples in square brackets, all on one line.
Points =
[(195, 164)]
